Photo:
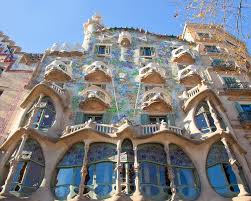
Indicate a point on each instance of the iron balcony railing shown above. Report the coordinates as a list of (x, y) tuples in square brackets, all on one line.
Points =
[(245, 117), (238, 86)]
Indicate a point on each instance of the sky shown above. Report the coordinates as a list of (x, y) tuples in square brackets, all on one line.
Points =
[(36, 24)]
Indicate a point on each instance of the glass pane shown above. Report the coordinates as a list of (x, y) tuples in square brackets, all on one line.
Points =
[(62, 192), (65, 176), (77, 176), (103, 190), (34, 175), (231, 178), (201, 121), (149, 172), (218, 180), (185, 177), (16, 177), (104, 172), (47, 118), (89, 178), (163, 175)]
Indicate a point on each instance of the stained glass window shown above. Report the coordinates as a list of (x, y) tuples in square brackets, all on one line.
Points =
[(46, 114), (30, 169), (101, 178), (186, 178), (203, 118), (220, 172), (127, 167), (153, 171), (68, 173)]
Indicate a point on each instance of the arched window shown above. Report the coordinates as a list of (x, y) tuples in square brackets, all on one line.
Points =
[(203, 118), (30, 169), (127, 167), (44, 116), (153, 171), (220, 172), (186, 178), (68, 173), (101, 178)]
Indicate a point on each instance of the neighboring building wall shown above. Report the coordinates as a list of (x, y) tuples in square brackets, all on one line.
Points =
[(16, 70), (231, 50)]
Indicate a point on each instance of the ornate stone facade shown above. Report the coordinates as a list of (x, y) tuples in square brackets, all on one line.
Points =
[(133, 115)]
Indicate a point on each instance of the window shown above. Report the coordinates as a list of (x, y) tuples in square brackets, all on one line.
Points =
[(147, 51), (102, 86), (186, 178), (204, 35), (203, 118), (230, 43), (222, 63), (30, 169), (231, 82), (94, 117), (45, 116), (211, 49), (127, 174), (157, 119), (103, 50), (68, 173), (101, 178), (153, 172), (220, 173)]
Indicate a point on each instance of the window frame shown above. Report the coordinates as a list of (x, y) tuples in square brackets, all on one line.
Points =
[(152, 49), (107, 50)]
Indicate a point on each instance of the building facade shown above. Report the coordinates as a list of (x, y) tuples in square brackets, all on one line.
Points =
[(133, 115)]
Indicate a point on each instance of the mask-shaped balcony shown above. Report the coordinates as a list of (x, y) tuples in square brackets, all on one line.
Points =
[(57, 71), (156, 100), (183, 55), (95, 99), (189, 76), (125, 39), (98, 72), (152, 74)]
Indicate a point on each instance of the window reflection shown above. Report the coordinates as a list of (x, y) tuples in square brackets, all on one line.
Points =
[(186, 178), (220, 172), (153, 171), (30, 169), (101, 178), (68, 173)]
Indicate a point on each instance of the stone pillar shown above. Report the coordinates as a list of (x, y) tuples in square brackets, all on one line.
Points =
[(136, 170), (35, 110), (214, 116), (13, 166), (118, 179), (171, 175), (84, 170), (233, 163)]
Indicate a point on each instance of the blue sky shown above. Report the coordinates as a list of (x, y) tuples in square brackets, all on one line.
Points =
[(36, 24)]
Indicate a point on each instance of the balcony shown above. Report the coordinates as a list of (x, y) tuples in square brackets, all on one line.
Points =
[(57, 71), (152, 74), (237, 89), (48, 89), (189, 76), (95, 99), (183, 55), (157, 100), (198, 92), (98, 72), (141, 130), (221, 65), (245, 119), (125, 39)]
